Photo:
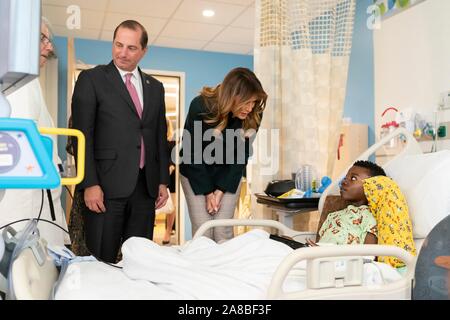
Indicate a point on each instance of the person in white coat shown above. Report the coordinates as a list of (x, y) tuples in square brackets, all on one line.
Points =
[(28, 102)]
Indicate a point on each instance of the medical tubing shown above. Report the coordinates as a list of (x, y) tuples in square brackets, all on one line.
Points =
[(53, 217), (10, 224), (39, 217), (69, 192), (56, 225), (42, 205), (28, 236), (50, 203), (22, 220), (44, 220)]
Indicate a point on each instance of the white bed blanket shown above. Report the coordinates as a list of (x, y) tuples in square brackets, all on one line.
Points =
[(240, 268)]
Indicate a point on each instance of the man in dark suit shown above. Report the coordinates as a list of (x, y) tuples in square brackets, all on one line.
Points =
[(121, 111)]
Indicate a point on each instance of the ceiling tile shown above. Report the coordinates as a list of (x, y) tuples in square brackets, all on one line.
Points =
[(246, 20), (58, 16), (82, 33), (179, 43), (99, 5), (187, 28), (191, 30), (191, 10), (107, 35), (228, 47), (240, 2), (153, 8), (236, 35), (152, 25)]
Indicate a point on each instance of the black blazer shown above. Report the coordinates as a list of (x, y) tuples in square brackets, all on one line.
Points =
[(103, 110), (226, 172)]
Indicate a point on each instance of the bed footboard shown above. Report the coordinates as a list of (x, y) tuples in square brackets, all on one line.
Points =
[(395, 290)]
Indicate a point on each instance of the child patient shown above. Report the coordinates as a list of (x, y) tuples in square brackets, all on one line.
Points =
[(354, 224), (378, 213)]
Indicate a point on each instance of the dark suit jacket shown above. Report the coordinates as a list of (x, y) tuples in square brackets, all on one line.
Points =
[(103, 110), (226, 172)]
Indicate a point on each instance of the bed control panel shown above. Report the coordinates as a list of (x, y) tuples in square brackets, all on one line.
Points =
[(25, 157), (336, 272)]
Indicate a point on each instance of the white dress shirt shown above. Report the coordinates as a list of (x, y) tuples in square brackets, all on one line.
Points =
[(136, 81)]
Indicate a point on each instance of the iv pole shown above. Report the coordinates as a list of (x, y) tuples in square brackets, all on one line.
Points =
[(5, 112)]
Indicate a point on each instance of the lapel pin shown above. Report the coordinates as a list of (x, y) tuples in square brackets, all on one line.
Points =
[(148, 82)]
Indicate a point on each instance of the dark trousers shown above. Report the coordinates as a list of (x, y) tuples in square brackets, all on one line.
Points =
[(133, 216)]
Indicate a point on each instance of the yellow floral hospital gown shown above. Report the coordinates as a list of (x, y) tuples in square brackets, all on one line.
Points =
[(388, 205)]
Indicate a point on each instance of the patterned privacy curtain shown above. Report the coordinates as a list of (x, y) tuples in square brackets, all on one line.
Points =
[(302, 53)]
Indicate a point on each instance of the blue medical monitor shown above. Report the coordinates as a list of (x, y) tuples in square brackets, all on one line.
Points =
[(20, 23), (25, 157)]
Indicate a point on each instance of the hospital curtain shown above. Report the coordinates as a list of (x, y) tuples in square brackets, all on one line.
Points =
[(301, 56)]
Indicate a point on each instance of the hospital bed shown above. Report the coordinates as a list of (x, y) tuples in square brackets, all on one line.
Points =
[(330, 272), (340, 272)]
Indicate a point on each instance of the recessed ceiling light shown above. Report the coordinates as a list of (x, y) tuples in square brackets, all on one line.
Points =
[(208, 13)]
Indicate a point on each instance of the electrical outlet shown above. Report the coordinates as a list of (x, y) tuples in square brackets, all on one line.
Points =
[(444, 131), (444, 101)]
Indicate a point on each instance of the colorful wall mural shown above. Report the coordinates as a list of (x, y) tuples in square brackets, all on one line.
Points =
[(389, 6)]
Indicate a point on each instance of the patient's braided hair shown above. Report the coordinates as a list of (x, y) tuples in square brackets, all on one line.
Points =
[(375, 170)]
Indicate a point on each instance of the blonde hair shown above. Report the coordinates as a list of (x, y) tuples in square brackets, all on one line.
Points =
[(170, 130), (239, 86), (48, 25)]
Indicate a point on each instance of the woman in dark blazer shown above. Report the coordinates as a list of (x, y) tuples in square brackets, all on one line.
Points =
[(221, 124)]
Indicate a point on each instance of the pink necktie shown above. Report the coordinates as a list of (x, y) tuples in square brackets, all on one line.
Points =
[(137, 104)]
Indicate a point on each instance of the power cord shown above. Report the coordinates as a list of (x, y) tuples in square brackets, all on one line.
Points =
[(38, 218), (50, 204), (42, 205), (69, 192), (10, 224), (56, 225)]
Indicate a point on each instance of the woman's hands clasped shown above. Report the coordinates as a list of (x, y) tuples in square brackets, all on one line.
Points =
[(213, 202)]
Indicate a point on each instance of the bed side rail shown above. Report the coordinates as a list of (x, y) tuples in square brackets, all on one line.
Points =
[(284, 230), (275, 289)]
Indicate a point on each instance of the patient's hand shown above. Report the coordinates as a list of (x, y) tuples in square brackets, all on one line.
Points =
[(311, 243), (370, 239)]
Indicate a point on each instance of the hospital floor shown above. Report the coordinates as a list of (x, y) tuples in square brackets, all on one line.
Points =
[(160, 228)]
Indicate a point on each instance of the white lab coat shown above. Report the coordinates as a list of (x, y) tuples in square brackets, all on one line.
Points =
[(28, 102)]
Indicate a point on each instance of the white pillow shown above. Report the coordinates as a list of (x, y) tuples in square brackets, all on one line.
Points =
[(425, 181)]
